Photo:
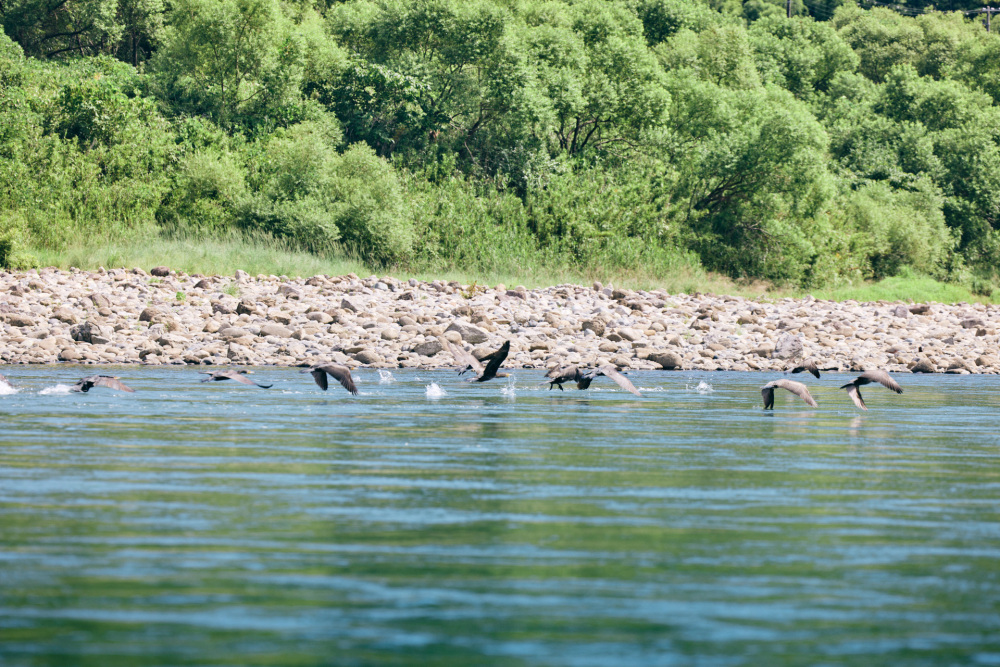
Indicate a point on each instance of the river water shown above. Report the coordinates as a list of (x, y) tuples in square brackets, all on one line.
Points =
[(429, 521)]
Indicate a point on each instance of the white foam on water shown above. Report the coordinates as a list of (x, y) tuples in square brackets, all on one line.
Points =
[(702, 388), (434, 391), (7, 389), (57, 389), (385, 377), (509, 390)]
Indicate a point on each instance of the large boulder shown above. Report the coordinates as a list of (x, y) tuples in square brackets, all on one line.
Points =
[(468, 332), (368, 357), (160, 271), (272, 329), (789, 346), (100, 300), (668, 360), (88, 332), (148, 315), (428, 348), (20, 320)]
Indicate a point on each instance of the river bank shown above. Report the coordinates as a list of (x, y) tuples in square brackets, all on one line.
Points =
[(165, 317)]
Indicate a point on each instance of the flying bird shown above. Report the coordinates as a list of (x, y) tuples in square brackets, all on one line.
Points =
[(562, 374), (810, 367), (109, 381), (463, 358), (583, 378), (341, 374), (797, 388), (608, 370), (232, 374), (868, 377), (495, 359), (467, 362), (4, 382)]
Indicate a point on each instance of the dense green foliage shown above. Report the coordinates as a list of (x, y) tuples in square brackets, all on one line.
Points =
[(842, 144)]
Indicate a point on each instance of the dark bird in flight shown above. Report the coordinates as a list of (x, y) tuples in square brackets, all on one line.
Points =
[(810, 367), (341, 374), (881, 377), (584, 377), (560, 374), (463, 358), (109, 381), (797, 388), (232, 374), (467, 362), (608, 370)]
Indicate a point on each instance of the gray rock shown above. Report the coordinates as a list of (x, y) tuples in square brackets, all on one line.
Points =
[(242, 276), (631, 335), (973, 323), (148, 314), (668, 360), (66, 315), (901, 311), (70, 354), (789, 347), (100, 300), (289, 292), (88, 330), (321, 317), (923, 366), (368, 357), (233, 332), (272, 329), (224, 306), (347, 304), (469, 333), (18, 320), (160, 271), (246, 307), (428, 348)]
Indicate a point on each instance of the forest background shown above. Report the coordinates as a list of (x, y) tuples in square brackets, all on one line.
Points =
[(800, 145)]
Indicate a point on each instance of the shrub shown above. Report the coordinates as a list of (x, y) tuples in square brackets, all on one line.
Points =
[(371, 214)]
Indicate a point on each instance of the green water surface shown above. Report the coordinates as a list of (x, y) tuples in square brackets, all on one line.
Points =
[(219, 524)]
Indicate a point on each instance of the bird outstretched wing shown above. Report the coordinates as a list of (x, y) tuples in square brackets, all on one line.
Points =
[(883, 379), (610, 371), (855, 393)]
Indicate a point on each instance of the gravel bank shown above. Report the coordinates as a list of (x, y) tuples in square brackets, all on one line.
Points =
[(129, 316)]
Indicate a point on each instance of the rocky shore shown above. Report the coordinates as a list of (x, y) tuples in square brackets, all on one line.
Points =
[(126, 316)]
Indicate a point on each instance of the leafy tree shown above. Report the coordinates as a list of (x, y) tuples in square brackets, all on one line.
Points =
[(62, 28), (800, 55), (881, 38), (227, 59)]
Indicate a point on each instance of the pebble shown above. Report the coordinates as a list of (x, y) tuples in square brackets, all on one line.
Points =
[(127, 316)]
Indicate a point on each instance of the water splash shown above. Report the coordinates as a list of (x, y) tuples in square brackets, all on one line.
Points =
[(510, 389), (434, 391), (702, 388), (6, 389), (59, 389), (385, 377)]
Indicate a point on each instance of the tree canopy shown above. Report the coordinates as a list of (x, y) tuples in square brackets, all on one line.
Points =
[(847, 142)]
